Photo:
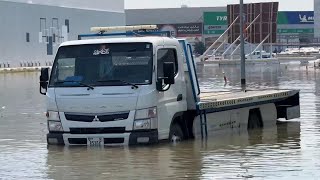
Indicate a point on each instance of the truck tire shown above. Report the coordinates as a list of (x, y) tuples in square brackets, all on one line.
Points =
[(254, 120), (176, 133)]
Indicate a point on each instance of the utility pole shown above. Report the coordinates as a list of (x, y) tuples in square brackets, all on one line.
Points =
[(243, 63)]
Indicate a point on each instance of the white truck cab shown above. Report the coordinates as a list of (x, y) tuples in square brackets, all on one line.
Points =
[(141, 90)]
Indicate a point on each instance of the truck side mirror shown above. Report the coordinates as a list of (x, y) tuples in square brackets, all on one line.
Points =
[(44, 78), (168, 72)]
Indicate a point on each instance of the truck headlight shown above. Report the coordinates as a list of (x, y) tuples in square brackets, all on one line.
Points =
[(54, 122), (142, 124), (53, 116), (146, 113), (145, 119), (55, 126)]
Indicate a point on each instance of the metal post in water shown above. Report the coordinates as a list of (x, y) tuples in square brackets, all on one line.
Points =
[(243, 65)]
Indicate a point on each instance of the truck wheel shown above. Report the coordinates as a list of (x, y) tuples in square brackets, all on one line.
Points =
[(254, 121), (176, 134)]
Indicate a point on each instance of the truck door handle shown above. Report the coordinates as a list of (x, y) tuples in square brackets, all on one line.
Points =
[(179, 98)]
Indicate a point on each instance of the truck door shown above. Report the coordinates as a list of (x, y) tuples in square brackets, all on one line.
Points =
[(173, 99)]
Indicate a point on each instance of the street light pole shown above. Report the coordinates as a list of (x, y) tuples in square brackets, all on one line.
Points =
[(243, 64)]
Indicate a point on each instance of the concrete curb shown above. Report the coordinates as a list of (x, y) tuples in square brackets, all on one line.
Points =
[(304, 60), (22, 69)]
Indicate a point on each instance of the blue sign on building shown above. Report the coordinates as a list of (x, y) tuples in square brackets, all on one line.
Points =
[(296, 17)]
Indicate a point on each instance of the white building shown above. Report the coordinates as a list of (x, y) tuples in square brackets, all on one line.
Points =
[(31, 31), (317, 18)]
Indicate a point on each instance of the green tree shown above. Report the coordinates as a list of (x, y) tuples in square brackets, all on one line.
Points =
[(199, 48)]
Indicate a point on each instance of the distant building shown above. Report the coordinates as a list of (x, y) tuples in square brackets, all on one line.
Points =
[(317, 18), (32, 32), (295, 27), (101, 5), (292, 27), (184, 22)]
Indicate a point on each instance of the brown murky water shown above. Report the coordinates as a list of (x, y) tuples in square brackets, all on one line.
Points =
[(286, 151)]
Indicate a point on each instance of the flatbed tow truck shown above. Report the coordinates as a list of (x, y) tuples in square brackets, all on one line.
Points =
[(141, 87)]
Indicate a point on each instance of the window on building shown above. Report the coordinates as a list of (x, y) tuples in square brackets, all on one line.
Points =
[(50, 46), (43, 36), (66, 22), (55, 22), (28, 37), (55, 29), (43, 24)]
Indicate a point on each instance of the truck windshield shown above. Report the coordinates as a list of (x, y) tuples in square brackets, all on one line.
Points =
[(103, 65)]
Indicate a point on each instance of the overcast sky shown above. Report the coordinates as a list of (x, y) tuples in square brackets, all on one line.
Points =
[(285, 5)]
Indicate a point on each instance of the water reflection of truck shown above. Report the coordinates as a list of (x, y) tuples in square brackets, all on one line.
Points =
[(190, 160), (142, 90)]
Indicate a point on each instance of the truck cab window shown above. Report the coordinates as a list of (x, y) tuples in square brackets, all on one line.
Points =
[(65, 68), (103, 64), (167, 55)]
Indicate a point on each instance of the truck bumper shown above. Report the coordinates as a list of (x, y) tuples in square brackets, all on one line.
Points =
[(149, 137), (131, 138), (55, 139)]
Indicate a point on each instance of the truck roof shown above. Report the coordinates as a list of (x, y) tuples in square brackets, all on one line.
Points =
[(147, 39)]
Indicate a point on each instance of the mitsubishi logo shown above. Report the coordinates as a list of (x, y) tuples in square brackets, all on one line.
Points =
[(96, 119)]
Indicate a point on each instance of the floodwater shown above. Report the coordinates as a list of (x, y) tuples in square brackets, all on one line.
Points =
[(286, 151)]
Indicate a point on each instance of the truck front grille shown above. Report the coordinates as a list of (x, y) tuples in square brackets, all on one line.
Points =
[(101, 118), (77, 141), (83, 141), (108, 130)]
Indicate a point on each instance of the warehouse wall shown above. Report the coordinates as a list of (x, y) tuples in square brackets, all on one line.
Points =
[(20, 20), (104, 5)]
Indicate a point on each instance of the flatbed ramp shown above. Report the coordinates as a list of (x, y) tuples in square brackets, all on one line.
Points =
[(212, 100), (221, 101)]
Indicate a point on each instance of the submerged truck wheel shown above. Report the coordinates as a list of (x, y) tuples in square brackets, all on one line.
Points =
[(176, 133)]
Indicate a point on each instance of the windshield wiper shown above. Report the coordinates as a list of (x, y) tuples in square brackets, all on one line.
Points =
[(124, 82), (83, 84)]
